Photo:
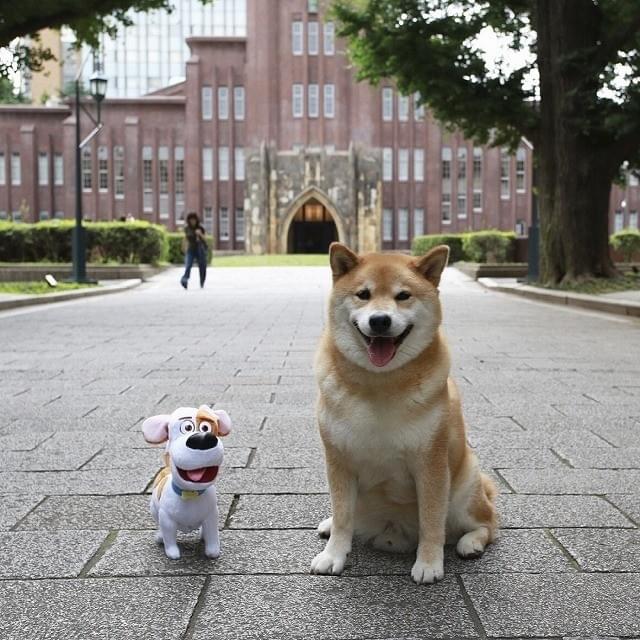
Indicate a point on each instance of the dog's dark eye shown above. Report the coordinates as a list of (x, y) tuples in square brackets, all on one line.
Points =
[(363, 294), (403, 295), (187, 427), (204, 427)]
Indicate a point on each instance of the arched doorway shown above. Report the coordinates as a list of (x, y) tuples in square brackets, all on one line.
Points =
[(312, 228)]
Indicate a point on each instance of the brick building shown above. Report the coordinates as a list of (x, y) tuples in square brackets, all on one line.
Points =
[(273, 142)]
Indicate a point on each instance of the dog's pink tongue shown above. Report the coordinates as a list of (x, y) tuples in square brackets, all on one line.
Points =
[(381, 351), (195, 475)]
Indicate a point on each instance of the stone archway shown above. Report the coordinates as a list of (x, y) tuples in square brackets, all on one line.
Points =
[(311, 223)]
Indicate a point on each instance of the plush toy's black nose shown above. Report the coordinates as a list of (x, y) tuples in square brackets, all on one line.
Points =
[(380, 322), (202, 441)]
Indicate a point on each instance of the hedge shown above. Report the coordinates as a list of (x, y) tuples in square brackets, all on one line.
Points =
[(627, 242), (176, 248), (124, 242), (476, 246)]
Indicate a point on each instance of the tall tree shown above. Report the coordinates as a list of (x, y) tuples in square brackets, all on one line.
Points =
[(562, 73)]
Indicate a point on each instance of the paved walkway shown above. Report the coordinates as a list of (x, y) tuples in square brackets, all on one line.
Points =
[(552, 398)]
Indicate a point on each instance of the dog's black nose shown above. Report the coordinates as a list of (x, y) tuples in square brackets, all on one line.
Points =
[(202, 441), (380, 322)]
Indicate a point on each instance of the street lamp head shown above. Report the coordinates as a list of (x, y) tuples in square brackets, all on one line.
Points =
[(98, 86)]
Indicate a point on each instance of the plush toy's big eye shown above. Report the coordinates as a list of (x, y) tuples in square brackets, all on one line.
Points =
[(187, 427), (205, 427)]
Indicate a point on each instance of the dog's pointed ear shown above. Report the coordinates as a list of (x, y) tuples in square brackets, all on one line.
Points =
[(156, 429), (341, 259), (432, 264), (224, 422)]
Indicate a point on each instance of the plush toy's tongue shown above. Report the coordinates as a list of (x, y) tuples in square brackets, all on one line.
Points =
[(195, 475), (381, 351)]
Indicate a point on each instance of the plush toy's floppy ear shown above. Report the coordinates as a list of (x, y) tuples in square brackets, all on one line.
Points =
[(156, 429), (432, 264), (224, 422), (341, 259)]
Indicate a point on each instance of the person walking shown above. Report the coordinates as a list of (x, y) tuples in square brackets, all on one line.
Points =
[(196, 249)]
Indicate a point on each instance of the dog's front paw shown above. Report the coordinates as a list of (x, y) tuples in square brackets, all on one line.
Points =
[(212, 551), (172, 552), (327, 563), (427, 572)]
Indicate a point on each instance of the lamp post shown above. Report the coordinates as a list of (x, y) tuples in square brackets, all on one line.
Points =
[(98, 90), (533, 245)]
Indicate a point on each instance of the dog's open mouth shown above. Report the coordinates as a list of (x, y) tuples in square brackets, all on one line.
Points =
[(382, 349), (203, 474)]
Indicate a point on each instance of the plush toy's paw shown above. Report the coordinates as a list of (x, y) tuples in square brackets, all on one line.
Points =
[(427, 572), (173, 553), (327, 563), (212, 551)]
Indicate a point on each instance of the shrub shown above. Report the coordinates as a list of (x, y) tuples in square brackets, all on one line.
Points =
[(106, 241), (176, 248), (423, 244), (489, 246), (627, 242)]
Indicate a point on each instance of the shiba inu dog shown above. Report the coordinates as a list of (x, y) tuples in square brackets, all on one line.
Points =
[(401, 474)]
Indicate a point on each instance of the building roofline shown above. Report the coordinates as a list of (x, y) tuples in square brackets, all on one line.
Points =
[(148, 99), (216, 39), (30, 108)]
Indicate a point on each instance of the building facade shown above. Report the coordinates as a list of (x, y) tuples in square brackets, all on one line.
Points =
[(270, 138)]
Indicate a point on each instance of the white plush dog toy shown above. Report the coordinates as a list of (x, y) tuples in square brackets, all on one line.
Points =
[(184, 497)]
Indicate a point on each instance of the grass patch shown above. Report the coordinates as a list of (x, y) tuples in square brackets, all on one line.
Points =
[(595, 286), (39, 287), (273, 260)]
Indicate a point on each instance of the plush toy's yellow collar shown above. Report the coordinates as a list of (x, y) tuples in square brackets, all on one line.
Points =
[(186, 494)]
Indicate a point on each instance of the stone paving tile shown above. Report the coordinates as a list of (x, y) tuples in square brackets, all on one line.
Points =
[(563, 481), (495, 458), (314, 607), (629, 504), (15, 507), (280, 511), (616, 550), (556, 604), (272, 481), (519, 511), (123, 609), (289, 458), (585, 458), (529, 439), (47, 458), (59, 554), (17, 439)]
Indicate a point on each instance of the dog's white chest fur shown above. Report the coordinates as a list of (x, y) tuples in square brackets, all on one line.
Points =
[(188, 513)]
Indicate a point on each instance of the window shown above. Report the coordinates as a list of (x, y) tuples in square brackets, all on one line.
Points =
[(118, 171), (207, 163), (477, 179), (329, 100), (618, 221), (17, 215), (312, 5), (58, 169), (403, 165), (505, 168), (223, 163), (207, 103), (296, 38), (147, 178), (16, 169), (178, 182), (418, 165), (418, 222), (103, 169), (403, 225), (418, 109), (43, 215), (297, 101), (207, 220), (313, 100), (3, 214), (387, 225), (240, 225), (521, 228), (633, 219), (163, 184), (238, 103), (239, 163), (462, 182), (223, 224), (387, 104), (403, 108), (329, 38), (43, 168), (3, 171), (520, 170), (223, 103), (87, 177), (387, 164), (58, 215), (446, 185), (633, 179), (312, 38)]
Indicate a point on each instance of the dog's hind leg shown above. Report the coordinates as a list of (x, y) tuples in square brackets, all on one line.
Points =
[(324, 528)]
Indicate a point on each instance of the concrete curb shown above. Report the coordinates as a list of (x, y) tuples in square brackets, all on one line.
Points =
[(65, 296), (584, 301)]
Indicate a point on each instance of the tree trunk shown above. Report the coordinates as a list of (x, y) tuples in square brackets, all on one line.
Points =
[(575, 173)]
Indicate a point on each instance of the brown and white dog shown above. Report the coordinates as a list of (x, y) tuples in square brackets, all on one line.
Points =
[(401, 474)]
